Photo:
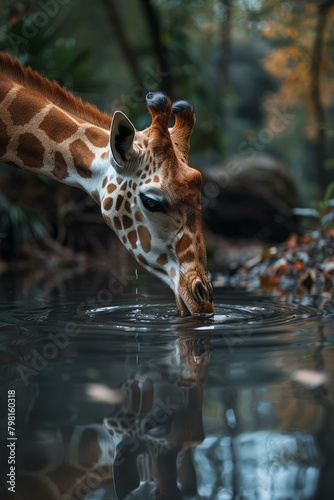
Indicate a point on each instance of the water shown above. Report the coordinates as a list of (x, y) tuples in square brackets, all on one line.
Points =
[(117, 397)]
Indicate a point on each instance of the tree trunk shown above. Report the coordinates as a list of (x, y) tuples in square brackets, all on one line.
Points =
[(160, 50), (226, 6), (319, 112), (223, 89), (128, 52)]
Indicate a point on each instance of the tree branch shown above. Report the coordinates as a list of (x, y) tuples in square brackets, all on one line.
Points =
[(159, 48), (320, 141), (116, 22)]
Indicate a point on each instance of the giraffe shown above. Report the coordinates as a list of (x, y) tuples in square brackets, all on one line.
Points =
[(148, 194), (149, 437)]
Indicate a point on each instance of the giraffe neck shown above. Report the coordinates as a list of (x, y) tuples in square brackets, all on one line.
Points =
[(39, 136), (147, 192)]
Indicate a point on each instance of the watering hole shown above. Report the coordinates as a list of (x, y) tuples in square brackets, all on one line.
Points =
[(116, 395)]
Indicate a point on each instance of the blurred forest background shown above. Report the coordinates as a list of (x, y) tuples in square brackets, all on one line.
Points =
[(259, 72)]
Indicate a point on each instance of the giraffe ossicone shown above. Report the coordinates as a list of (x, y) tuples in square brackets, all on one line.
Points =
[(148, 193)]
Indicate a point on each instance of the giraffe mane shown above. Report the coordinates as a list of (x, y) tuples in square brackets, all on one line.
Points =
[(53, 91)]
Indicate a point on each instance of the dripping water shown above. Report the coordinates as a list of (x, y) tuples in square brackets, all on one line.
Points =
[(137, 334), (136, 290)]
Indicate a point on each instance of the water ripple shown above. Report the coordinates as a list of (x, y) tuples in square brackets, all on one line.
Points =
[(153, 317)]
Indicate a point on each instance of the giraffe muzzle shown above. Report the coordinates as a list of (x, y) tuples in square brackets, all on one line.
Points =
[(196, 300)]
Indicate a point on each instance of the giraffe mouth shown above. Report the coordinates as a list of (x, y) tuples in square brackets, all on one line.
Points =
[(182, 307)]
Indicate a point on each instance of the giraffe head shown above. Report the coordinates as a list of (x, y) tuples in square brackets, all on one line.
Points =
[(152, 200)]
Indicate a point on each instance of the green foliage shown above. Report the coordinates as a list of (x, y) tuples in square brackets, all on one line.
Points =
[(320, 218), (209, 52), (58, 58), (329, 192), (72, 67)]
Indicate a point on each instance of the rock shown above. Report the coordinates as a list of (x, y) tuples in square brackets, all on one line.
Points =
[(250, 197)]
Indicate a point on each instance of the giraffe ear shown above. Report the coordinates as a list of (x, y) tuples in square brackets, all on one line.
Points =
[(121, 138)]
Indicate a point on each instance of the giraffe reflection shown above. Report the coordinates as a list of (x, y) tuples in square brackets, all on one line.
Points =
[(147, 440)]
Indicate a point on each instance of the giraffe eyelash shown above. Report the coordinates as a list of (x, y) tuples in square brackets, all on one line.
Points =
[(151, 204)]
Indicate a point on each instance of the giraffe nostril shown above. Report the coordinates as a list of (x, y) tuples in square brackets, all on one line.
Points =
[(200, 291)]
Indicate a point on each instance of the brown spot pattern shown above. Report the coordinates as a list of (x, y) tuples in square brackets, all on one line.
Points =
[(111, 188), (127, 222), (162, 259), (183, 244), (82, 158), (105, 180), (156, 178), (23, 109), (188, 257), (139, 216), (83, 172), (58, 126), (145, 397), (127, 206), (108, 203), (30, 150), (136, 396), (97, 137), (123, 186), (132, 237), (119, 202), (88, 452), (117, 223), (145, 238), (60, 169)]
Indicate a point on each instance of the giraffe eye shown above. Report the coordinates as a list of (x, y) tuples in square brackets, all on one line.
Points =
[(152, 204)]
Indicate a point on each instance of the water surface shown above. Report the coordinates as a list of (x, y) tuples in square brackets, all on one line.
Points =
[(117, 397)]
